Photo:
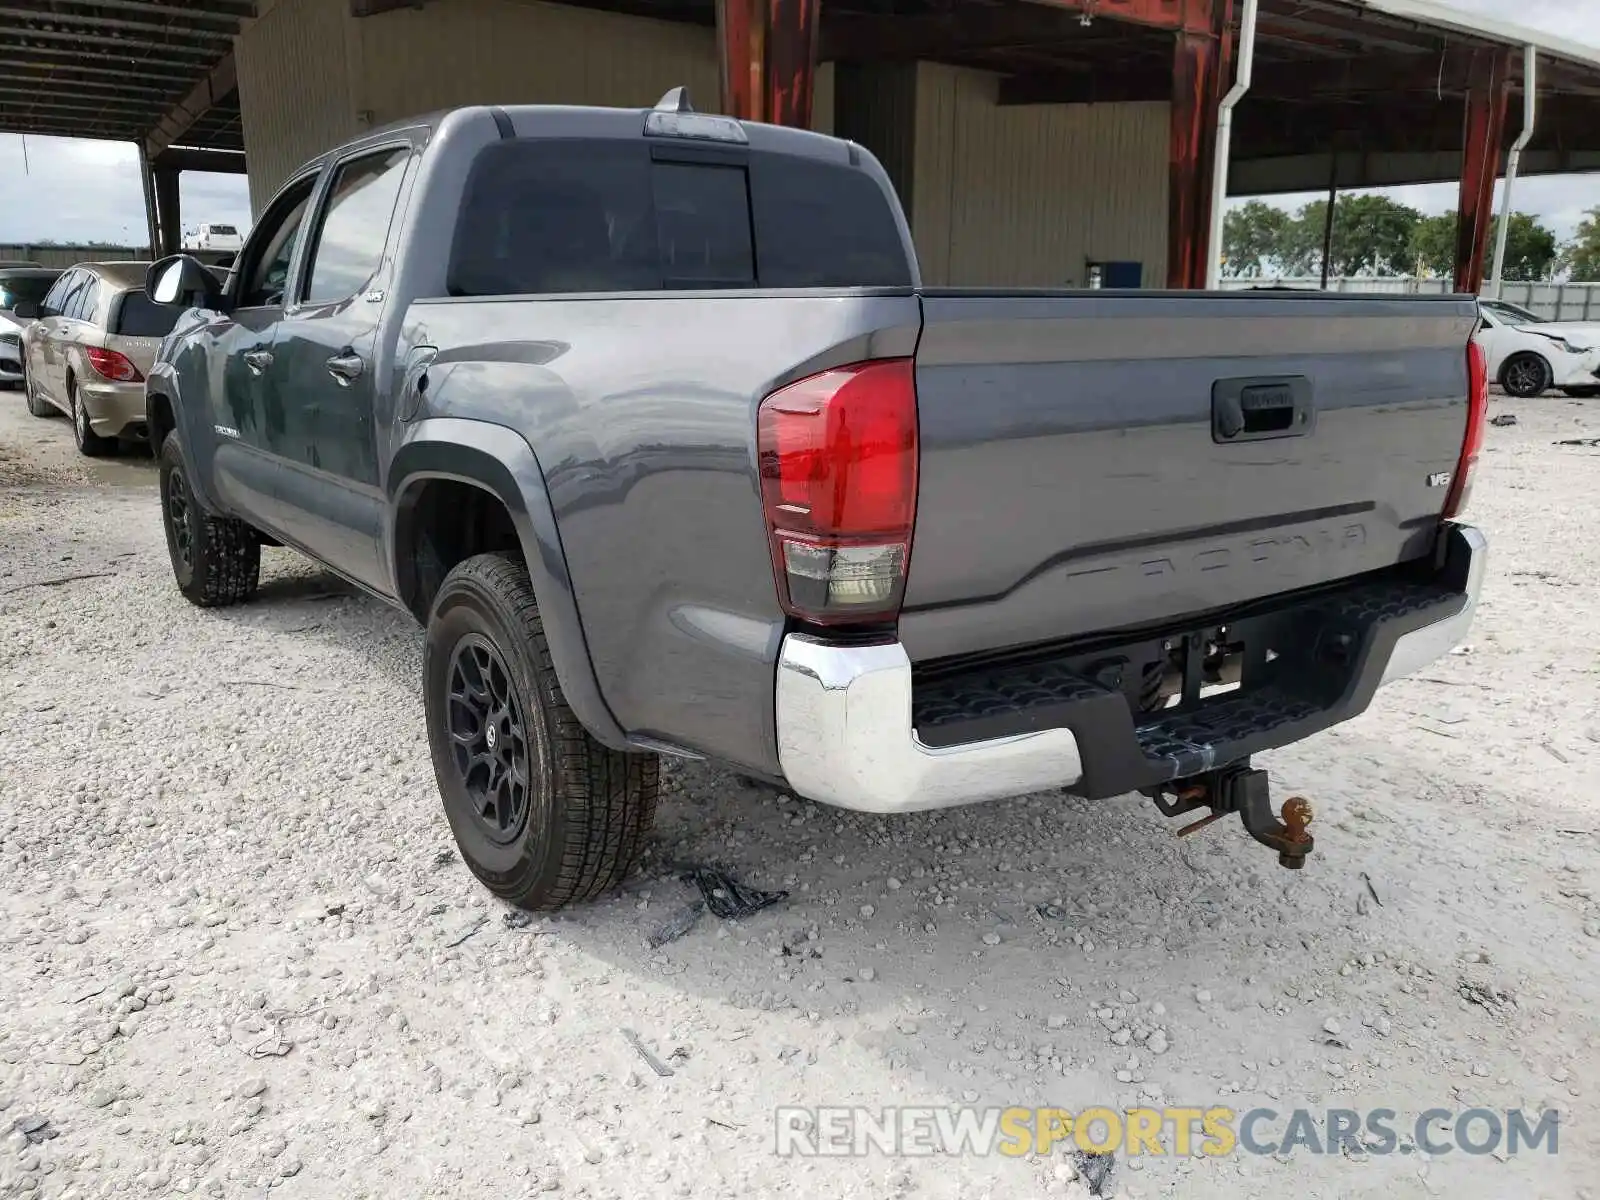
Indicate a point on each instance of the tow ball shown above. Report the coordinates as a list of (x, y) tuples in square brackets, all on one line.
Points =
[(1241, 789)]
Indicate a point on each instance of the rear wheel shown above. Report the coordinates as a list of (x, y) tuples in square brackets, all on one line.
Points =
[(89, 442), (1525, 375), (216, 560), (543, 814), (37, 404)]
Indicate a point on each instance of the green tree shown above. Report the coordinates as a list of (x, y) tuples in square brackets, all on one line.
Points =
[(1371, 236), (1433, 244), (1531, 250), (1253, 239), (1582, 257)]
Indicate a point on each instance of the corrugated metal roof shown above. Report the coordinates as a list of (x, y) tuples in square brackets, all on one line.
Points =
[(123, 70)]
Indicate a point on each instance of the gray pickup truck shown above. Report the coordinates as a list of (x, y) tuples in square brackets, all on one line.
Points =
[(647, 416)]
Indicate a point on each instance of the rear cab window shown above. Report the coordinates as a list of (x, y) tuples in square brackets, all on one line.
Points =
[(553, 216)]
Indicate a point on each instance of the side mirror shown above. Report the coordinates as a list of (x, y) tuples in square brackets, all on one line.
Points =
[(26, 310), (184, 281)]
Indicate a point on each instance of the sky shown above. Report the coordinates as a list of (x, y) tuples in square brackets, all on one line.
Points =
[(78, 191)]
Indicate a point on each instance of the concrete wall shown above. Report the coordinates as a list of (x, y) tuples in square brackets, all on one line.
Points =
[(311, 76), (52, 255), (1025, 196)]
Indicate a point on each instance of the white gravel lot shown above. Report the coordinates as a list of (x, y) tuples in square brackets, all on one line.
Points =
[(239, 953)]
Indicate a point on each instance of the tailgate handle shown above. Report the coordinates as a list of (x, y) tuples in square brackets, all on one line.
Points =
[(1255, 410)]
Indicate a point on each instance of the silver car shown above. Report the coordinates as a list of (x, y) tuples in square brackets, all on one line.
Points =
[(18, 285), (94, 339)]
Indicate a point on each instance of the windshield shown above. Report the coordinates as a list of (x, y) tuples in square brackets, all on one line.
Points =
[(139, 316), (1512, 315), (224, 230), (24, 287)]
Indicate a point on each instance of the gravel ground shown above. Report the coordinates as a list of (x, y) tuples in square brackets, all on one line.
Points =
[(239, 953)]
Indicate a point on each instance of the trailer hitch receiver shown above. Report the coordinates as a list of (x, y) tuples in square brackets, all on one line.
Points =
[(1240, 788)]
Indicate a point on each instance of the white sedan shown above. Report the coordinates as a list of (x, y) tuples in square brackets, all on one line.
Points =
[(1527, 355)]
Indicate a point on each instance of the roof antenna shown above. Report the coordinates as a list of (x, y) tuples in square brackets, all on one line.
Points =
[(676, 101)]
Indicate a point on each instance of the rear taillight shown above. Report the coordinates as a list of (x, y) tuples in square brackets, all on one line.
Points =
[(838, 456), (111, 365), (1472, 441)]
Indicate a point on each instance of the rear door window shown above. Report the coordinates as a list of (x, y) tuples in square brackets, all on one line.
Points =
[(560, 216), (86, 299), (355, 225), (139, 316)]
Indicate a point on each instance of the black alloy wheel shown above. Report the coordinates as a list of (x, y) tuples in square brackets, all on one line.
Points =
[(179, 511), (1526, 376), (488, 738)]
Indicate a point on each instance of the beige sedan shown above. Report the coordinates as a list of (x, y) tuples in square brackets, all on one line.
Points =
[(93, 339)]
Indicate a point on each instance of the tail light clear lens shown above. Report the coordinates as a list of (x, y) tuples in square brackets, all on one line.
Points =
[(111, 365), (838, 454), (1472, 441)]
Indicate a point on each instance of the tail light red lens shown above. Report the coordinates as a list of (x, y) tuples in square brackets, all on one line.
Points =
[(1472, 441), (111, 365), (838, 454)]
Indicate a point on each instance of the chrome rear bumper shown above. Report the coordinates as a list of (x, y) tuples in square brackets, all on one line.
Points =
[(846, 735)]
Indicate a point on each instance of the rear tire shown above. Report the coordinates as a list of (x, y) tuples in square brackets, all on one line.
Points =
[(90, 443), (543, 814), (1525, 375), (37, 404), (215, 560)]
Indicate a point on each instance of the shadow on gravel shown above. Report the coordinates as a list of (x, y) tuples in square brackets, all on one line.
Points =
[(1026, 951), (311, 586)]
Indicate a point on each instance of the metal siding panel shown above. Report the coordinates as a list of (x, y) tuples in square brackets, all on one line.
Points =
[(1025, 196), (294, 89), (933, 179), (823, 103), (875, 106), (509, 52)]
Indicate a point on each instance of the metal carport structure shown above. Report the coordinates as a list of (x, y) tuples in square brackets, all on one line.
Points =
[(1346, 93), (158, 73)]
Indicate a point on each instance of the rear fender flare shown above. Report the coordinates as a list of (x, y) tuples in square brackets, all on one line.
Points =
[(500, 461)]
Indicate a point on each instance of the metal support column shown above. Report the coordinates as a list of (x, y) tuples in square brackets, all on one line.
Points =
[(1202, 59), (147, 183), (1483, 136), (168, 216), (1327, 217), (768, 58)]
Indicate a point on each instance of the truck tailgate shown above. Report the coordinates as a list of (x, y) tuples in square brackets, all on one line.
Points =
[(1077, 476)]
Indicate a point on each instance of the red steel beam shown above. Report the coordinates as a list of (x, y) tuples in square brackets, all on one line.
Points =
[(1194, 16), (1201, 66), (768, 58), (791, 75), (1483, 137)]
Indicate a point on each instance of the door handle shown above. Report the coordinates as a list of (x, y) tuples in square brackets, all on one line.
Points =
[(1254, 410), (257, 360), (346, 367)]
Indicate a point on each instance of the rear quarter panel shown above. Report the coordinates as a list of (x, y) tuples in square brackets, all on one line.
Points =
[(641, 411)]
